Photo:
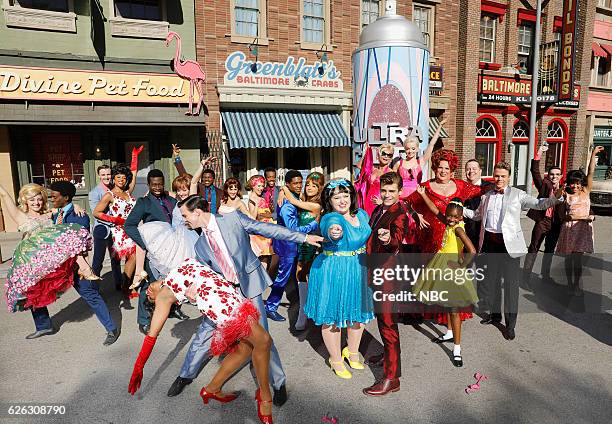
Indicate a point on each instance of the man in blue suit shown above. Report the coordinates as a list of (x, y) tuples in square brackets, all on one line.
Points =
[(227, 236), (62, 193)]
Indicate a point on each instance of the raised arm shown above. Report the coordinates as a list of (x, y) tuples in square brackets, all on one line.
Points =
[(178, 163), (535, 168), (592, 164), (134, 166), (429, 149), (530, 202), (11, 208)]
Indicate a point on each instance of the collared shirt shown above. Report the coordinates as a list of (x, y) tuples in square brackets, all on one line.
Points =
[(65, 211), (210, 195), (212, 231), (493, 222)]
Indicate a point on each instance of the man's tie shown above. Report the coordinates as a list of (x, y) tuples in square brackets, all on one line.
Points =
[(165, 208), (226, 268), (60, 217)]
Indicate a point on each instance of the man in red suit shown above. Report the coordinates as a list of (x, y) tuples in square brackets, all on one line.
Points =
[(389, 222)]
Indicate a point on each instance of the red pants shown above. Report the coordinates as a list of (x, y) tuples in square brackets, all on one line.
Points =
[(387, 326)]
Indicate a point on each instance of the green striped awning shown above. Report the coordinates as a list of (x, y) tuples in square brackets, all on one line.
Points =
[(434, 123), (283, 128)]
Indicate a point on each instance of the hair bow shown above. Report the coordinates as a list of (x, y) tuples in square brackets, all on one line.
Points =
[(340, 182), (474, 387)]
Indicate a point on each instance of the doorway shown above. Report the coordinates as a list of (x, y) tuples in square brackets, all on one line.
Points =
[(519, 168)]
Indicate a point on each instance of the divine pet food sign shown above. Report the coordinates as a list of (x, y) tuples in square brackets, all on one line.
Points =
[(294, 73), (80, 85)]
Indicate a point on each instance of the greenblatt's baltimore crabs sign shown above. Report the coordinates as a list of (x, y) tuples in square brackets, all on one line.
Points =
[(294, 73)]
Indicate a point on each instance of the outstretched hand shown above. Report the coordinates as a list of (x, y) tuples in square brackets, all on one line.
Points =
[(314, 240), (176, 150), (208, 161)]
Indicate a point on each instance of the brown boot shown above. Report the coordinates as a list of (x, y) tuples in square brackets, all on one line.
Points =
[(386, 386)]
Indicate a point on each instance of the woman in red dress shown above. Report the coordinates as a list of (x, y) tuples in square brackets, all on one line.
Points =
[(441, 190)]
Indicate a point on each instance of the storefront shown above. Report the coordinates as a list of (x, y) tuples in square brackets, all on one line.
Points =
[(502, 125), (285, 115), (61, 124)]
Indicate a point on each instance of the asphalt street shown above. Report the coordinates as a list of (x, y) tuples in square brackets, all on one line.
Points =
[(557, 370)]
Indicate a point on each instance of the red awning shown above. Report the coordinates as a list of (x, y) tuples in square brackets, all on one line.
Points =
[(607, 48), (598, 51)]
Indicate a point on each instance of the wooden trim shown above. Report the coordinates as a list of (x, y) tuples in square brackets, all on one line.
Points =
[(494, 8), (489, 66)]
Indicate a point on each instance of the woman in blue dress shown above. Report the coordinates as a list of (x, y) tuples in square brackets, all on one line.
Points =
[(338, 294)]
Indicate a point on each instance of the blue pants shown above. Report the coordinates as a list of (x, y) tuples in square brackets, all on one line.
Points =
[(199, 350), (102, 242), (90, 292), (143, 317), (286, 268)]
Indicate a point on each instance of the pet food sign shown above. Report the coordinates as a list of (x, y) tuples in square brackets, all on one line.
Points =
[(294, 73)]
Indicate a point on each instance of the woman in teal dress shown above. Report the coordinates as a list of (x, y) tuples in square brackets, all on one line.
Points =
[(309, 206), (338, 296)]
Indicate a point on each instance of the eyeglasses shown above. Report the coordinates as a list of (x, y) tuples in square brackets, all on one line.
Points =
[(388, 155)]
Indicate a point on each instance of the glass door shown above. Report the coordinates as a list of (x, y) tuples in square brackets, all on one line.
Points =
[(520, 165)]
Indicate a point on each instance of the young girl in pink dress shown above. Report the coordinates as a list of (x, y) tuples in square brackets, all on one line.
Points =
[(576, 237)]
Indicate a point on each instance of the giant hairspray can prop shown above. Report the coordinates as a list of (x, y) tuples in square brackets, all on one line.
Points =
[(390, 84)]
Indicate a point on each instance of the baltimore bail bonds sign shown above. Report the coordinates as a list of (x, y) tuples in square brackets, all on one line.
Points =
[(80, 85), (294, 73)]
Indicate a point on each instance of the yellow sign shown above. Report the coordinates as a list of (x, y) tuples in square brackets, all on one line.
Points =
[(91, 86)]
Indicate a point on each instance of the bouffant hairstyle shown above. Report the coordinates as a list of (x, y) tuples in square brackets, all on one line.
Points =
[(230, 182), (336, 186), (122, 169), (181, 182), (576, 176), (319, 180), (445, 154), (27, 192), (253, 181)]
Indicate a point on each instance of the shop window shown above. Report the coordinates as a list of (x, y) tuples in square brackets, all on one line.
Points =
[(266, 158), (139, 18), (556, 138), (249, 21), (52, 5), (605, 3), (521, 130), (315, 24), (57, 157), (297, 158), (423, 17), (487, 145), (370, 11), (48, 15), (525, 40), (488, 27)]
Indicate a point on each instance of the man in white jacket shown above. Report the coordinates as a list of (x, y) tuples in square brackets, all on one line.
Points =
[(501, 239)]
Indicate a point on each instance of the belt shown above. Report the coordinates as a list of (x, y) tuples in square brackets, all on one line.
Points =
[(345, 252)]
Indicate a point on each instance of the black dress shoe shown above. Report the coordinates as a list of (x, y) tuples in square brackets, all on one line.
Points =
[(178, 386), (280, 396), (509, 334), (144, 329), (40, 333), (457, 361), (111, 337), (178, 314), (275, 316), (490, 321)]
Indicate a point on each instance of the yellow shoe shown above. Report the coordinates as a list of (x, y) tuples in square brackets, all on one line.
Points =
[(356, 365), (343, 373)]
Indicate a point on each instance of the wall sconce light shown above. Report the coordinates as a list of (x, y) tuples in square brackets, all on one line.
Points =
[(98, 152), (253, 49), (510, 147), (322, 56)]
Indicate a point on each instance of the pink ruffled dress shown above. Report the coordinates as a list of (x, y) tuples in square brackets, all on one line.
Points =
[(367, 184)]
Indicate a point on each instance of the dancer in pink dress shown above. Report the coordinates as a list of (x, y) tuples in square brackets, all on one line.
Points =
[(576, 237), (368, 183)]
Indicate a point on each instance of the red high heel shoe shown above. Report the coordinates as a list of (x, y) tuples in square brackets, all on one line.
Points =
[(206, 396), (264, 419)]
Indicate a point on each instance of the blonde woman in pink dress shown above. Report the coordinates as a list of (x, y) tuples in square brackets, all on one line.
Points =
[(576, 237), (368, 182)]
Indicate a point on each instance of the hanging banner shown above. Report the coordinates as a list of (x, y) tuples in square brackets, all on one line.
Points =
[(568, 50)]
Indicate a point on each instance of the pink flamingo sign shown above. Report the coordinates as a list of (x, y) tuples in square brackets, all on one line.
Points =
[(189, 70)]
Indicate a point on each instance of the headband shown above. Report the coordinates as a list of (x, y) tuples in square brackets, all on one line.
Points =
[(456, 203), (335, 183)]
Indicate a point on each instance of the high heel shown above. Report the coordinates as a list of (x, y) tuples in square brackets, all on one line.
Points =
[(343, 373), (89, 277), (356, 365), (207, 396), (138, 279), (264, 419)]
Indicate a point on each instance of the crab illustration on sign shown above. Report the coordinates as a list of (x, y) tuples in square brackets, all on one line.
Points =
[(189, 70)]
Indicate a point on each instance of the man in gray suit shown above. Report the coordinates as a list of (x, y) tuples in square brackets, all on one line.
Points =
[(225, 246), (501, 239)]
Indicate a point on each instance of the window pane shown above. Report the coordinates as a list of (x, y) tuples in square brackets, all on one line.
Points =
[(487, 38), (485, 154), (148, 10), (554, 155), (53, 5)]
